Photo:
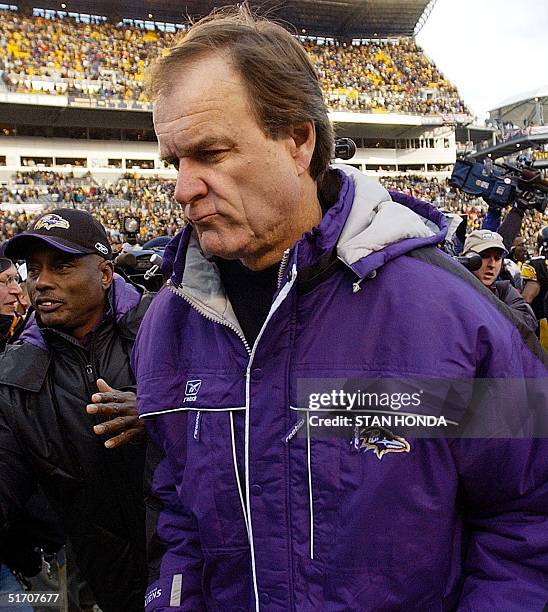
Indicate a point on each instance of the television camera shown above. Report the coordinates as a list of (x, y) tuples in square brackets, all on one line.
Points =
[(503, 184), (141, 264)]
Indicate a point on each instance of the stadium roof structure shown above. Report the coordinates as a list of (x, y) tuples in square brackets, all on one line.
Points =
[(342, 19), (511, 146), (524, 109)]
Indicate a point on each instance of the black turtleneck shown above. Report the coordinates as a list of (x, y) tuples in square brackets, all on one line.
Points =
[(251, 293)]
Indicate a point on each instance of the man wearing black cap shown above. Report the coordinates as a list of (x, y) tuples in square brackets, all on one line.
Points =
[(80, 338)]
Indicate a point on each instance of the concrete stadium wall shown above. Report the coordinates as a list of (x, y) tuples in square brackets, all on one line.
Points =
[(97, 153)]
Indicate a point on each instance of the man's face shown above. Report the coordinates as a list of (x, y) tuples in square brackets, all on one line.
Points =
[(9, 291), (67, 292), (519, 252), (519, 249), (240, 189), (491, 263)]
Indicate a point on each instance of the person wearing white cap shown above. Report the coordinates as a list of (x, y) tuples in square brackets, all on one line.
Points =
[(491, 247)]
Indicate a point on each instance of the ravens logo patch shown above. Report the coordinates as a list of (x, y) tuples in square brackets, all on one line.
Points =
[(381, 441), (50, 221)]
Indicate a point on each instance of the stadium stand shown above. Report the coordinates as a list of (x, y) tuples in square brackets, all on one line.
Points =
[(104, 61), (62, 56), (383, 76), (152, 200)]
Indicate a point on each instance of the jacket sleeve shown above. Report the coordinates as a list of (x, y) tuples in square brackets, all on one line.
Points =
[(521, 308), (504, 493), (173, 543), (510, 228), (503, 488), (17, 481), (491, 221)]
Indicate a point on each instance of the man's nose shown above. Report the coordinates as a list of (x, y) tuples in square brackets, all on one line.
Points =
[(44, 281), (190, 184), (15, 289)]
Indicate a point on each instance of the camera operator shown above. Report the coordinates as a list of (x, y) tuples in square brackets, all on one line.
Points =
[(535, 290), (514, 244), (519, 185), (490, 246)]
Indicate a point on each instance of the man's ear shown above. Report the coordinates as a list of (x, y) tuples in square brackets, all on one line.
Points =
[(303, 142), (107, 273)]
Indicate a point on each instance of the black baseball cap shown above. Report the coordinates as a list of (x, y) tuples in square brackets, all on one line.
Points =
[(68, 229)]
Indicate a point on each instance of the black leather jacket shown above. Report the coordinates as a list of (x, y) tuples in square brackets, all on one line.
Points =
[(46, 437)]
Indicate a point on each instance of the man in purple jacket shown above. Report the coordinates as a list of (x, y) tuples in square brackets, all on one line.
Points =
[(291, 275)]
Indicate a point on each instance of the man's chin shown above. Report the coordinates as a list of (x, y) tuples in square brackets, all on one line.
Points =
[(215, 247), (51, 319)]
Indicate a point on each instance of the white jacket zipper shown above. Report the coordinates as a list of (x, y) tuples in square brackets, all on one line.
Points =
[(279, 299), (196, 305)]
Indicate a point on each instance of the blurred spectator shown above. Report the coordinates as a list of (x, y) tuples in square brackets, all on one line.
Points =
[(518, 252), (10, 292), (535, 279)]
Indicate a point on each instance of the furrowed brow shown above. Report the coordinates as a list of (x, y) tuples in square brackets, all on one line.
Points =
[(190, 149)]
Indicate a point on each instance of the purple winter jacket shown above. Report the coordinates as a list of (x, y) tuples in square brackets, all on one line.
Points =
[(248, 514)]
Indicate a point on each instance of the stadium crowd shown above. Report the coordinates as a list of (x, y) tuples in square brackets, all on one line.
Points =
[(86, 351), (65, 57), (107, 61), (392, 76), (152, 200)]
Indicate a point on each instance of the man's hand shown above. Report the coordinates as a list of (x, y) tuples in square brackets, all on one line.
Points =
[(119, 407)]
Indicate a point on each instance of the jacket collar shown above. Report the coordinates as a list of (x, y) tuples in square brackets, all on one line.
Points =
[(366, 227)]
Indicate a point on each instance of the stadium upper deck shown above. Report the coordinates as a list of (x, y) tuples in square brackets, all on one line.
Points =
[(106, 61), (71, 82), (342, 19)]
